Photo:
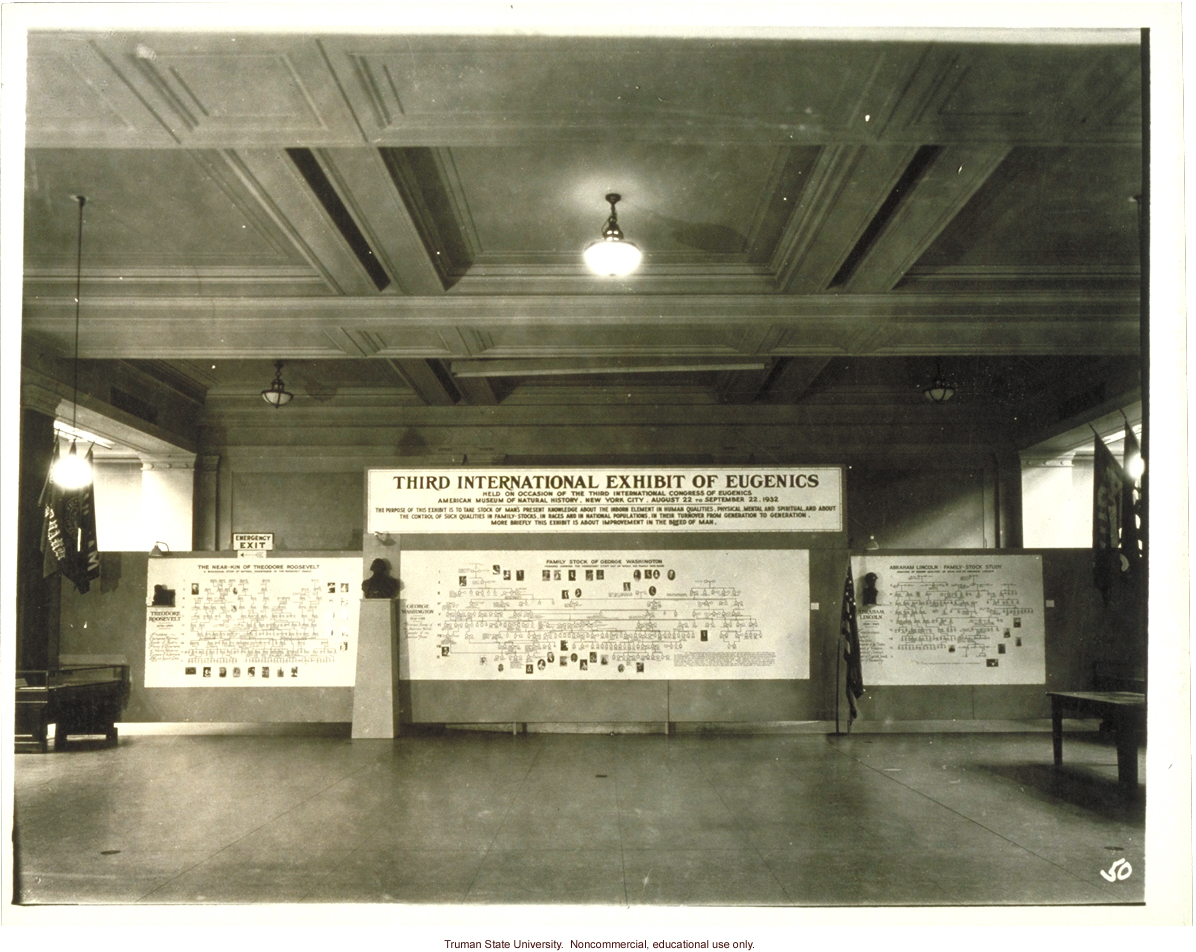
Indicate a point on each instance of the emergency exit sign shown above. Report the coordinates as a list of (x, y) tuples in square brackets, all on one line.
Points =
[(253, 541)]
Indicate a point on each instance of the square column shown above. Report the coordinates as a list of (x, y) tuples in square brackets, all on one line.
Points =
[(376, 690)]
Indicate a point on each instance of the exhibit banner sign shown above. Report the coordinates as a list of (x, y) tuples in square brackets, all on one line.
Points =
[(950, 619), (271, 623), (606, 615), (783, 498)]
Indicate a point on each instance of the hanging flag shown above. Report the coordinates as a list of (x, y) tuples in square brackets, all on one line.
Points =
[(68, 540), (1108, 482), (53, 543), (89, 549), (851, 650), (1131, 503)]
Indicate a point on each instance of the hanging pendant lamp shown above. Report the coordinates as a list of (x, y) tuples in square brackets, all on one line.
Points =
[(277, 394), (942, 389), (72, 472), (612, 255)]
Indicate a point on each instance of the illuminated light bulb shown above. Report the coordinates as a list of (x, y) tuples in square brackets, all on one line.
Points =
[(71, 471), (613, 257)]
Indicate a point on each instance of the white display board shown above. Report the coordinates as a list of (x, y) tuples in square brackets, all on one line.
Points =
[(273, 623), (606, 615), (951, 619), (593, 499)]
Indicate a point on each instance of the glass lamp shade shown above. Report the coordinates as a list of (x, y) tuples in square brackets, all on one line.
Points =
[(276, 394), (939, 392), (71, 471), (612, 257)]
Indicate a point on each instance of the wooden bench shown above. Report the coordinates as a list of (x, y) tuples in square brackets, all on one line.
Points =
[(1119, 700), (83, 699)]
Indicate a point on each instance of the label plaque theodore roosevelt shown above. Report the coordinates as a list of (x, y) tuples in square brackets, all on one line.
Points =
[(606, 499)]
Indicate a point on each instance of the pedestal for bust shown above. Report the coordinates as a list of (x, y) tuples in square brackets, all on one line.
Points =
[(376, 692)]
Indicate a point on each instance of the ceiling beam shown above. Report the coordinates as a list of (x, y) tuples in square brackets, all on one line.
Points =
[(268, 314), (792, 379), (741, 386), (361, 178), (847, 185), (1062, 439), (701, 329), (343, 90), (477, 391), (97, 416), (420, 377), (564, 366), (274, 182), (940, 194)]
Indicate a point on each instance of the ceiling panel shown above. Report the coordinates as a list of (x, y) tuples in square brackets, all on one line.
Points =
[(676, 199), (160, 207), (61, 97), (1049, 207), (202, 87), (72, 91), (684, 380), (213, 86), (472, 170), (315, 376), (1015, 93), (291, 90), (577, 339), (546, 87)]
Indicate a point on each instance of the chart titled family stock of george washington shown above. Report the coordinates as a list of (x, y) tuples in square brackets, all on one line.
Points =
[(607, 615)]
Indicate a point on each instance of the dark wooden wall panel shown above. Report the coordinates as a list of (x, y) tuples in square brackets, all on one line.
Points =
[(108, 624), (303, 510), (467, 702), (938, 702), (1011, 701), (921, 508), (742, 701)]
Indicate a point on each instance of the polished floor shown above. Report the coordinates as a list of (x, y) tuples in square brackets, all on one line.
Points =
[(682, 820)]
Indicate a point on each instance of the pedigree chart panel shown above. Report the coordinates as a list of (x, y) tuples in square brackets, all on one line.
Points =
[(973, 618), (240, 623), (607, 615)]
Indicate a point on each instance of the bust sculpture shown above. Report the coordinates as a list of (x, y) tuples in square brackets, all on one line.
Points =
[(869, 596), (381, 584)]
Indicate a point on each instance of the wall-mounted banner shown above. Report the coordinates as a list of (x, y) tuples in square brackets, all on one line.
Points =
[(606, 615), (275, 623), (615, 499), (950, 619)]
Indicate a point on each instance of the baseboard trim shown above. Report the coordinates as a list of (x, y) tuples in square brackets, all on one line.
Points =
[(1037, 725), (240, 729), (339, 729)]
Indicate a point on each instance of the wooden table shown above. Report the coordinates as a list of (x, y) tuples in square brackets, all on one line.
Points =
[(85, 699), (1125, 711)]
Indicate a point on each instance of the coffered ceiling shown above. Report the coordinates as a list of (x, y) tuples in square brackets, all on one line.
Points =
[(413, 208)]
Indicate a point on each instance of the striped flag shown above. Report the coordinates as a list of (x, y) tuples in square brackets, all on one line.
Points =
[(851, 650), (68, 540), (1108, 484), (1131, 501)]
